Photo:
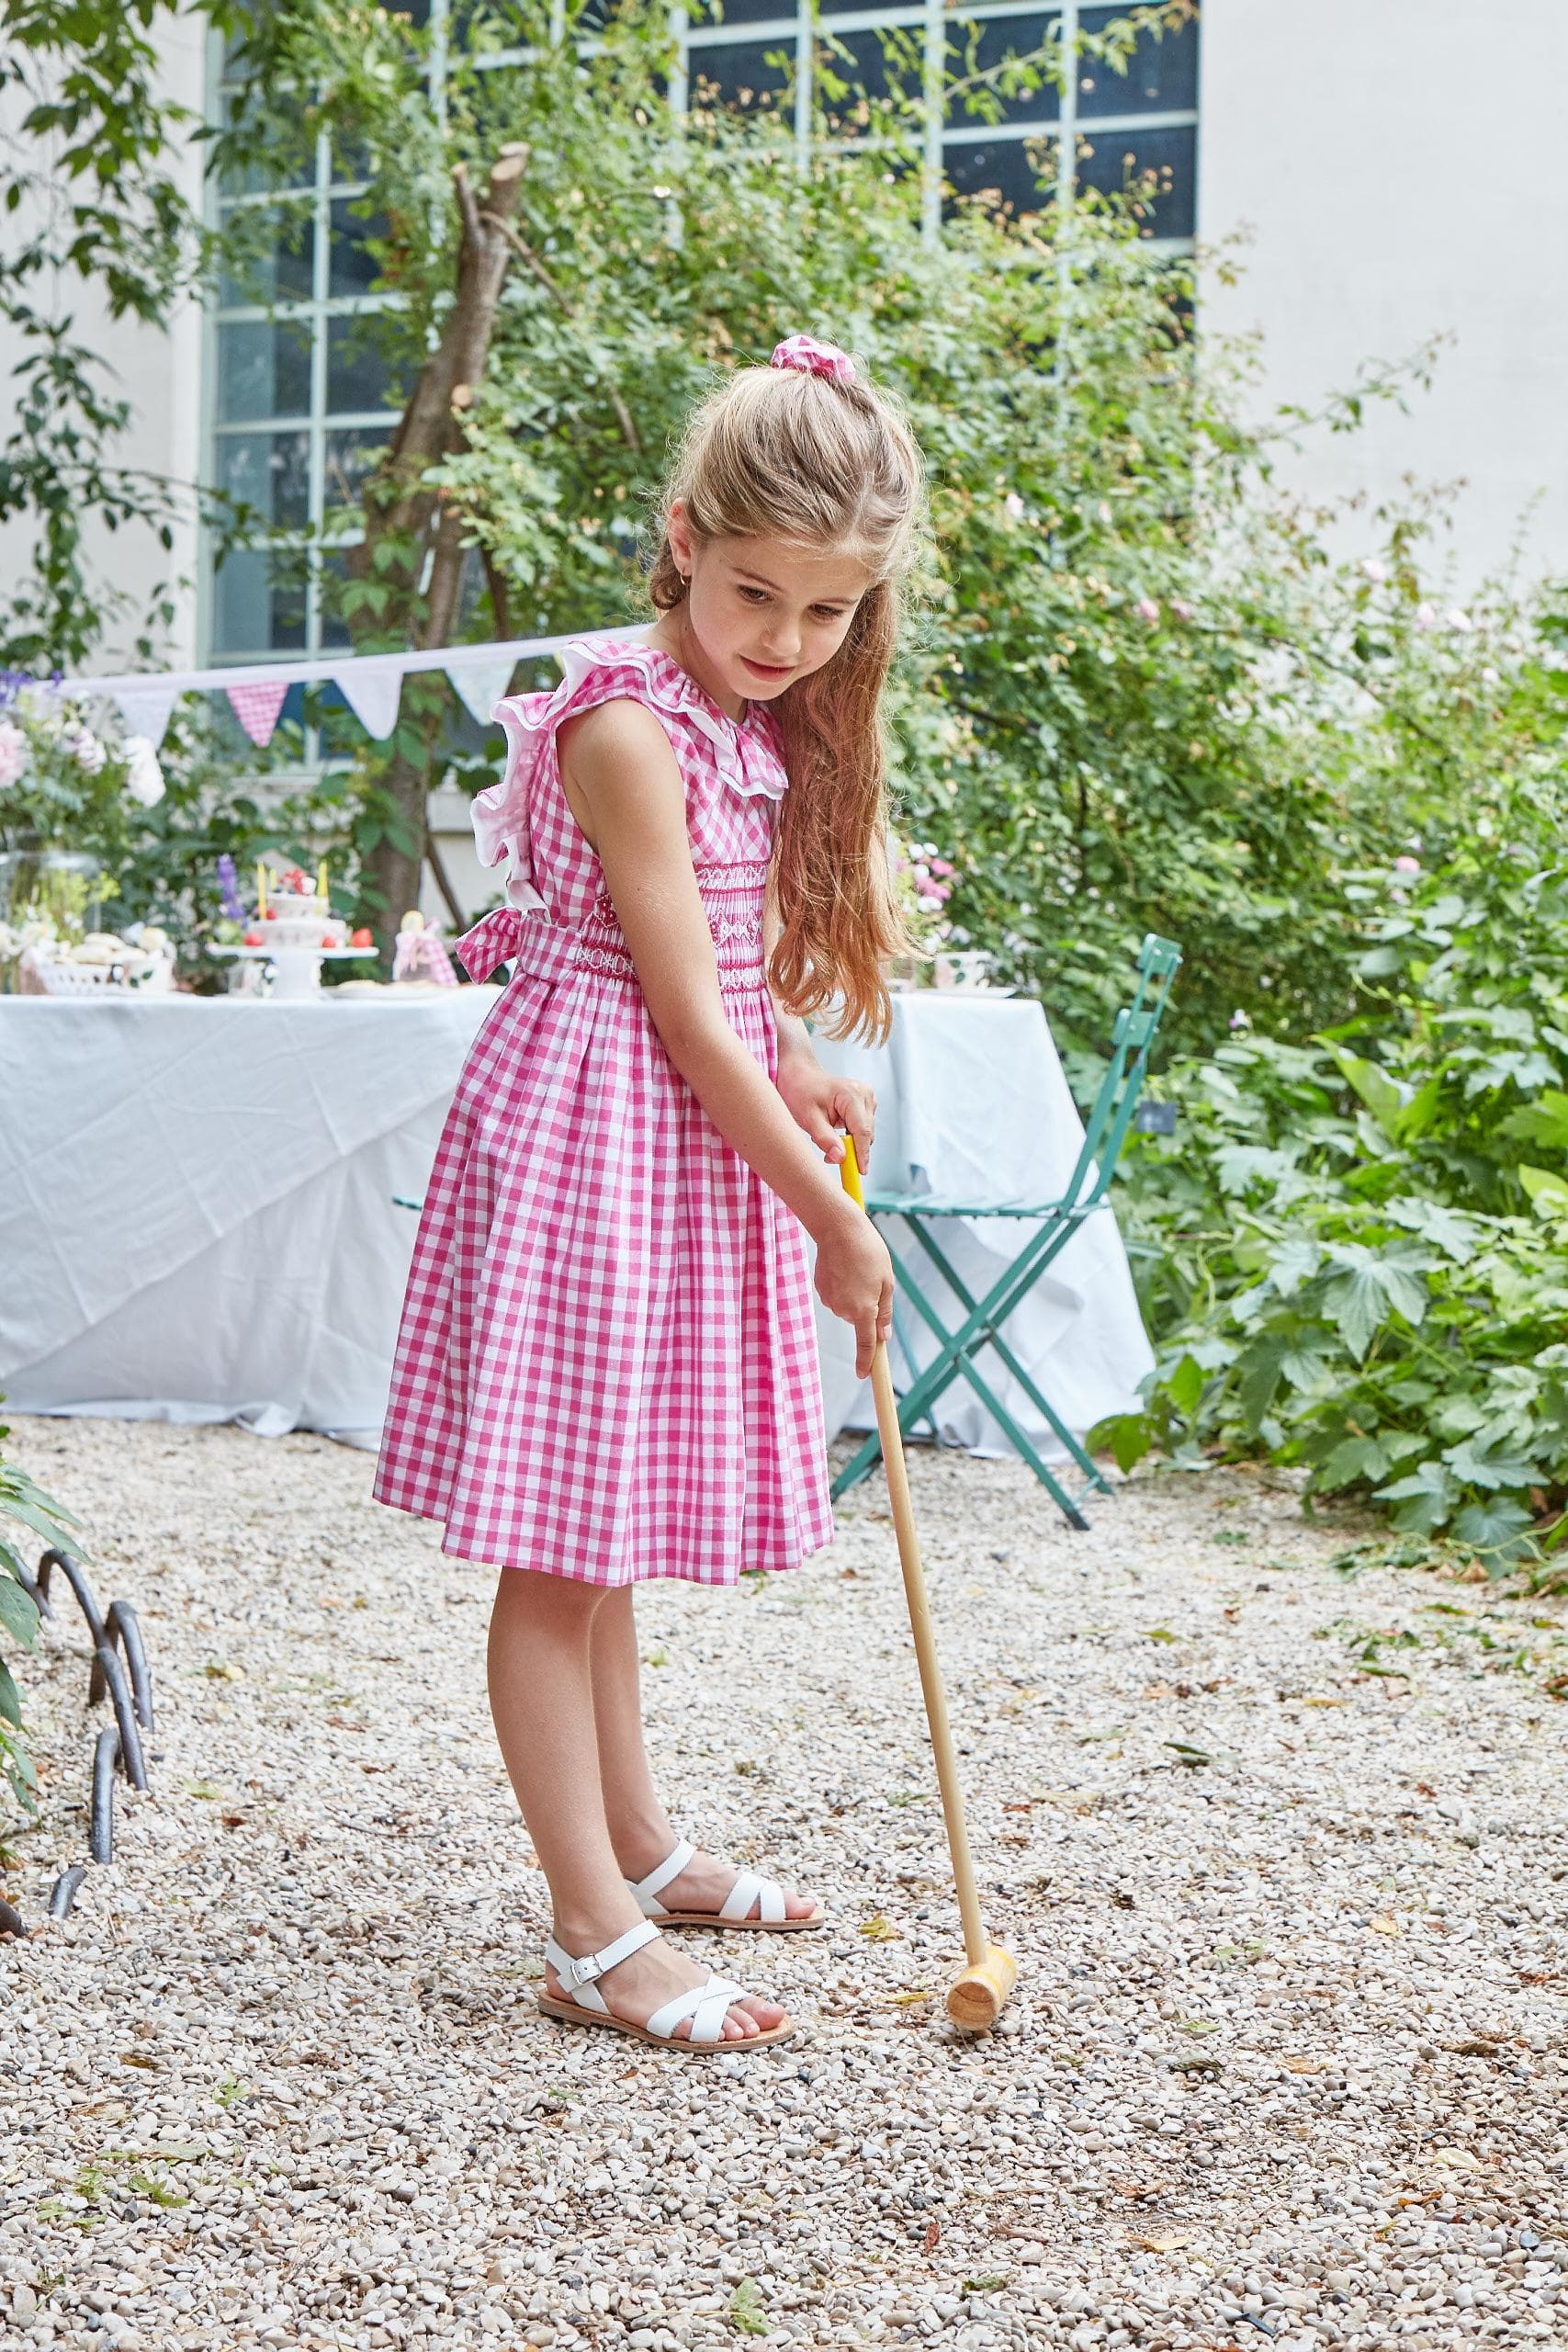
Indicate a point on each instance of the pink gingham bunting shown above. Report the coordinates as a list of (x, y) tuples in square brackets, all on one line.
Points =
[(256, 708)]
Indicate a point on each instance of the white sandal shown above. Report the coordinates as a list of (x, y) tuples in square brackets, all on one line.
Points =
[(707, 2005), (765, 1893)]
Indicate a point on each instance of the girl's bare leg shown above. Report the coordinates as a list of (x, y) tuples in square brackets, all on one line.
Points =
[(639, 1825), (542, 1699)]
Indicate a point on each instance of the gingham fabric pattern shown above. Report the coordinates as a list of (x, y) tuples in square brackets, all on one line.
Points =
[(607, 1365)]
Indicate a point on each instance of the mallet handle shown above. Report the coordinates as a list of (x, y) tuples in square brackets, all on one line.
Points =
[(974, 1943)]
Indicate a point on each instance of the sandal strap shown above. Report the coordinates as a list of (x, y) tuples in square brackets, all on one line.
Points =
[(574, 1973), (748, 1889), (708, 2007), (646, 1889)]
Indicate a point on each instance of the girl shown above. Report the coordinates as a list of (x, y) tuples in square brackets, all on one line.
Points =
[(607, 1365)]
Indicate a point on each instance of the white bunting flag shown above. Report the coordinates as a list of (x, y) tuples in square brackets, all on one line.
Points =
[(372, 689), (145, 709), (481, 684)]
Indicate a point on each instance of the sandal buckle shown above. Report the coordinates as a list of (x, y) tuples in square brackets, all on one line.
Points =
[(583, 1971)]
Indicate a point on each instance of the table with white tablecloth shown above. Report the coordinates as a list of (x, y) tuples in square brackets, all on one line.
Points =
[(197, 1218), (972, 1105)]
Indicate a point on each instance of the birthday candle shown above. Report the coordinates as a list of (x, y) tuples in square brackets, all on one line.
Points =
[(322, 880), (261, 888)]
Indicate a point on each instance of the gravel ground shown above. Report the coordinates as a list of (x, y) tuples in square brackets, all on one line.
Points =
[(1286, 2060)]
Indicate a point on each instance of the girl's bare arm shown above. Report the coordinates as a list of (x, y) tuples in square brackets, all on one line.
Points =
[(624, 789)]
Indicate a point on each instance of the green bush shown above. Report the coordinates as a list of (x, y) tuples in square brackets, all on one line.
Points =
[(1354, 1251)]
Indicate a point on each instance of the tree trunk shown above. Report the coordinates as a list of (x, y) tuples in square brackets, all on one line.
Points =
[(412, 543)]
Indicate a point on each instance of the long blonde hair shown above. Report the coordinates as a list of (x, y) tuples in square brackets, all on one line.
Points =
[(778, 453)]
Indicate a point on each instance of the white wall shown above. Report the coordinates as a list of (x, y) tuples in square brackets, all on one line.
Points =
[(1397, 162), (161, 375)]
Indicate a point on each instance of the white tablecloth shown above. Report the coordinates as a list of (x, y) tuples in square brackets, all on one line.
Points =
[(196, 1201), (197, 1219), (972, 1105)]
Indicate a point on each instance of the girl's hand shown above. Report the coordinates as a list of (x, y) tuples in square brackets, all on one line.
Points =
[(822, 1104), (854, 1280)]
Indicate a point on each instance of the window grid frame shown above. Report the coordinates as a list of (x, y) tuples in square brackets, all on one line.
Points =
[(803, 26)]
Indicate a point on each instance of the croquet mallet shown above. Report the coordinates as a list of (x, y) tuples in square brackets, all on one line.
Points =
[(977, 1999)]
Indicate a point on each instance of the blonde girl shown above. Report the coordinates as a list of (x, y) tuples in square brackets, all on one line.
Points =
[(607, 1368)]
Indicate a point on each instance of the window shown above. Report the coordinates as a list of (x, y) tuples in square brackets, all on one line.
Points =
[(299, 401)]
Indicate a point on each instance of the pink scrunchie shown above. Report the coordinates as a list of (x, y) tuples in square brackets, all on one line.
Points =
[(814, 358)]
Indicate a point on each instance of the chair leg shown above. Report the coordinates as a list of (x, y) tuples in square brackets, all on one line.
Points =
[(982, 1323), (990, 1332), (949, 1364), (900, 1332)]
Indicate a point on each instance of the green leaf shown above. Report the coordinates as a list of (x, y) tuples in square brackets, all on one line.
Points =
[(748, 2316), (1475, 1468), (1548, 1193), (1185, 1387), (18, 1612), (1381, 1096), (1425, 1498), (1129, 1435), (1498, 1530), (1353, 1458), (10, 1697), (1257, 1374)]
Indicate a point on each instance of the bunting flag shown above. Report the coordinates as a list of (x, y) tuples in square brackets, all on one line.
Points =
[(372, 688), (256, 708), (479, 686), (145, 709), (369, 683)]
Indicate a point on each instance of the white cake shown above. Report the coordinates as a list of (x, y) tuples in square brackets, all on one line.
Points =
[(299, 919)]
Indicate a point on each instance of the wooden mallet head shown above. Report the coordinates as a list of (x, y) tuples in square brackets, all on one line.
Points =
[(979, 1996)]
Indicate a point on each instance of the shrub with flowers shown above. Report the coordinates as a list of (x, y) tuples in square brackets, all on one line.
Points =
[(65, 781), (922, 884)]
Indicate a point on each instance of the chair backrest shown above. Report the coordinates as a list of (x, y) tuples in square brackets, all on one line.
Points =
[(1117, 1099)]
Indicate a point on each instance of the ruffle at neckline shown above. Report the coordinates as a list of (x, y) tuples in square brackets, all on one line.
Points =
[(674, 691)]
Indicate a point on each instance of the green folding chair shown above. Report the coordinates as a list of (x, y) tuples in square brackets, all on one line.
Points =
[(983, 1318)]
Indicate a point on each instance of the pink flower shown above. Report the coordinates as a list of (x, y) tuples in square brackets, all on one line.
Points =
[(1407, 865), (13, 752), (1146, 609), (1182, 610), (1375, 572), (941, 865), (1425, 618)]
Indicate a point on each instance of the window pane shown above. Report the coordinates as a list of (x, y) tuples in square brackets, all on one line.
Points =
[(258, 604), (1161, 75), (1156, 165), (350, 268), (1014, 37), (262, 370), (864, 67), (739, 75), (350, 456), (273, 254), (271, 471), (358, 376), (747, 12), (1002, 164), (300, 171)]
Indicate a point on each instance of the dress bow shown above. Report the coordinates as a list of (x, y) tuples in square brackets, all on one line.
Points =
[(495, 939)]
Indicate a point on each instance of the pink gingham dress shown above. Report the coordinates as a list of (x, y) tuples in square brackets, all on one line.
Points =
[(607, 1365)]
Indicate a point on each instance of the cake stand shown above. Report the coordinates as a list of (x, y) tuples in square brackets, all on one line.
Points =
[(296, 971)]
